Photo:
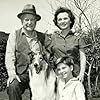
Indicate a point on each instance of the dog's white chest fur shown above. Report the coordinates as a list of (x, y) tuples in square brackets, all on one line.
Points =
[(37, 85), (40, 88)]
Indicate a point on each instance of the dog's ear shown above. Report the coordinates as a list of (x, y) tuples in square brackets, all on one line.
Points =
[(43, 65)]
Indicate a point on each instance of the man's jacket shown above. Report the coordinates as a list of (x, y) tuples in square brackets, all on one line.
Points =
[(23, 51)]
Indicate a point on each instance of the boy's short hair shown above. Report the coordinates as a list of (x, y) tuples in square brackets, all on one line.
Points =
[(66, 60)]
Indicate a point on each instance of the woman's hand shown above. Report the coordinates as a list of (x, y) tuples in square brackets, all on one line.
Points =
[(80, 77)]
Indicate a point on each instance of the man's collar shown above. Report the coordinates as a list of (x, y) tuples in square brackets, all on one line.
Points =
[(23, 32), (34, 34)]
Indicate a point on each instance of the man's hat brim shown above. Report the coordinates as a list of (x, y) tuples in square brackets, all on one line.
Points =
[(38, 17)]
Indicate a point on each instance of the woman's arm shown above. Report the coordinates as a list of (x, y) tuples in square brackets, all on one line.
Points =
[(82, 65)]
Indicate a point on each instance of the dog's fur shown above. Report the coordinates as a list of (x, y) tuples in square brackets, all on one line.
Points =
[(42, 87)]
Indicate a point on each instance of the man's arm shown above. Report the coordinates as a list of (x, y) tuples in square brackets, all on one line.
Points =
[(82, 59), (10, 58), (10, 54)]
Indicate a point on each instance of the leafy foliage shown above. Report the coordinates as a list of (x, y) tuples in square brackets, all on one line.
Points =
[(92, 51), (3, 71)]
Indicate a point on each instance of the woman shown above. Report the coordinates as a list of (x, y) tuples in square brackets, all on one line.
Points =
[(64, 42)]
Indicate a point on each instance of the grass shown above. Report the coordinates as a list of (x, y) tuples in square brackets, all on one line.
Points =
[(4, 96)]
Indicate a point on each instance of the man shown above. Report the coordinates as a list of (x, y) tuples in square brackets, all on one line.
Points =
[(19, 49)]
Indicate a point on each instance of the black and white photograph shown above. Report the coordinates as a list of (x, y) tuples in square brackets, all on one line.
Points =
[(49, 50)]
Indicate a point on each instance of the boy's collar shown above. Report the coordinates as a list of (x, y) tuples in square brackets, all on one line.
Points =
[(72, 79)]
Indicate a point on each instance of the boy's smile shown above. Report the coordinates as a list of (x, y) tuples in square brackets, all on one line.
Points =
[(63, 71)]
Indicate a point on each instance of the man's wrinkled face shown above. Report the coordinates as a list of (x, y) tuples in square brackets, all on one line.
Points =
[(29, 22)]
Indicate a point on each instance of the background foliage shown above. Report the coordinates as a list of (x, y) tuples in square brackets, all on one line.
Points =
[(3, 72), (92, 51)]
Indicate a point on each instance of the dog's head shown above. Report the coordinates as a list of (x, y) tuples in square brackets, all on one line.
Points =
[(37, 62)]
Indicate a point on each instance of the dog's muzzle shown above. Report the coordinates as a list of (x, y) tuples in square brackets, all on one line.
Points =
[(37, 68)]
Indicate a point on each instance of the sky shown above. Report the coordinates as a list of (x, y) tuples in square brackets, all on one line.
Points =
[(10, 8)]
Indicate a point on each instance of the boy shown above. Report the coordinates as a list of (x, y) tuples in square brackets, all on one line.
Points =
[(69, 88)]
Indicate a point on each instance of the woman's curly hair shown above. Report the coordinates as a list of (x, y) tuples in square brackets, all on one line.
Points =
[(70, 14)]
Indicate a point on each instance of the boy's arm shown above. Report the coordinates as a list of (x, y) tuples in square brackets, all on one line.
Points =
[(80, 91)]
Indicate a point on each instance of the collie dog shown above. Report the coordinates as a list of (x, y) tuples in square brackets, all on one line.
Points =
[(42, 87)]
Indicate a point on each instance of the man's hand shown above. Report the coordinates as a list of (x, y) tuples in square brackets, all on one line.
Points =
[(11, 79)]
